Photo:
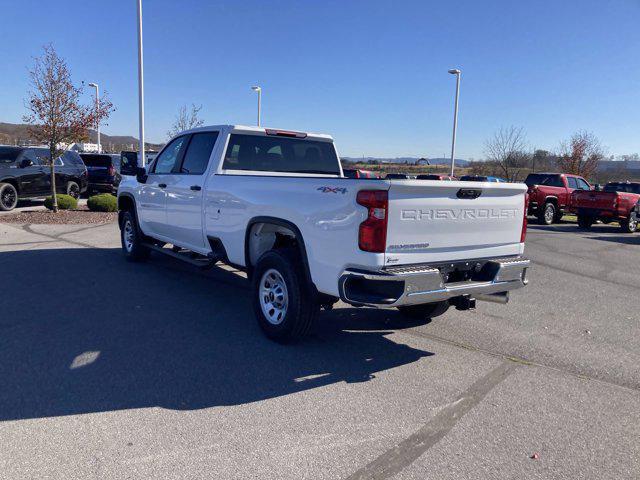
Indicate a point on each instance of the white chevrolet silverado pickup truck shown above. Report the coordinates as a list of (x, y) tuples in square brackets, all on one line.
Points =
[(275, 203)]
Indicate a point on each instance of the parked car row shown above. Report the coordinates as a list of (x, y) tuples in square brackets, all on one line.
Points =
[(25, 173)]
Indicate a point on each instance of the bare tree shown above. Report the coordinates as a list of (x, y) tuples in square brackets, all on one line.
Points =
[(581, 154), (55, 114), (186, 119), (507, 148)]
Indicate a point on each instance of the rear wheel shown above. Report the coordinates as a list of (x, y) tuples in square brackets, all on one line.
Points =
[(283, 302), (73, 190), (585, 221), (425, 311), (131, 239), (8, 197), (629, 224), (547, 214)]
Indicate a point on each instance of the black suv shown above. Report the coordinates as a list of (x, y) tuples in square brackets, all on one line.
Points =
[(104, 171), (25, 172)]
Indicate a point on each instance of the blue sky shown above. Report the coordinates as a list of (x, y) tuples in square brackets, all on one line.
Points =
[(371, 73)]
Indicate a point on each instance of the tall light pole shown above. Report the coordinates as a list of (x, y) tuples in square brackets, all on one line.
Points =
[(259, 90), (455, 118), (140, 87), (95, 85)]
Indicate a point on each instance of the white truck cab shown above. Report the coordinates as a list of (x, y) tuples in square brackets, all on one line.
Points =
[(275, 203)]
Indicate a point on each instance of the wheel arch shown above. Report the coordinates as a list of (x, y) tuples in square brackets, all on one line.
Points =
[(253, 248), (126, 202), (13, 181)]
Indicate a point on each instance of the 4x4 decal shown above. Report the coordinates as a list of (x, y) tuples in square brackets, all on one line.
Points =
[(341, 190)]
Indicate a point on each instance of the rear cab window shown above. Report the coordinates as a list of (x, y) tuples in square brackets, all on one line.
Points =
[(622, 187), (550, 180), (260, 153)]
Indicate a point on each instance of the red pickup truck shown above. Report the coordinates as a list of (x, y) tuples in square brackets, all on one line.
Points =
[(615, 203), (550, 194)]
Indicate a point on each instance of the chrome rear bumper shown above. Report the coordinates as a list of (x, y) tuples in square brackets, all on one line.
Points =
[(488, 279)]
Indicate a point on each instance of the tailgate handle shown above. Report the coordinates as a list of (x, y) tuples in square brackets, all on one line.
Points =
[(469, 193)]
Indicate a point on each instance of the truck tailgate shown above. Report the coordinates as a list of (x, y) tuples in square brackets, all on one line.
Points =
[(432, 221)]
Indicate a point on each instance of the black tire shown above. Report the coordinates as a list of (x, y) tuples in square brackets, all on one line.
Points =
[(629, 224), (425, 311), (131, 239), (547, 213), (283, 300), (8, 197), (73, 190), (557, 218), (585, 221)]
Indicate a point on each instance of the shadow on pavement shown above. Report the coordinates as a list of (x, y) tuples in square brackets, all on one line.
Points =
[(627, 238), (82, 330), (573, 228)]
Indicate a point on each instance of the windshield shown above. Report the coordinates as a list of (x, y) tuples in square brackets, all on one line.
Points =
[(9, 154)]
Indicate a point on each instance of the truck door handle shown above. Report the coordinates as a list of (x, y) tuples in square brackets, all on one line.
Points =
[(196, 188), (162, 185)]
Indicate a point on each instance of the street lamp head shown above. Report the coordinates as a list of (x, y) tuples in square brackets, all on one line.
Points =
[(256, 89), (94, 85), (454, 71)]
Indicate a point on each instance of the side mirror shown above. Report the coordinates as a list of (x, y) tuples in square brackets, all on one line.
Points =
[(141, 174), (26, 163), (128, 169)]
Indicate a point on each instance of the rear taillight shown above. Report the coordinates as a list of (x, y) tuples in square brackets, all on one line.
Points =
[(112, 171), (523, 232), (372, 236)]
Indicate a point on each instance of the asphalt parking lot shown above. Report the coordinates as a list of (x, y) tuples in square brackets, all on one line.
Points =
[(158, 370)]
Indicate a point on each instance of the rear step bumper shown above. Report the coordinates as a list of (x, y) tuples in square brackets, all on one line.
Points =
[(490, 280)]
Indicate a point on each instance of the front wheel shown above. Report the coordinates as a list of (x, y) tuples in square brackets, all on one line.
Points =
[(73, 190), (425, 311), (629, 224), (131, 239), (8, 197), (283, 302)]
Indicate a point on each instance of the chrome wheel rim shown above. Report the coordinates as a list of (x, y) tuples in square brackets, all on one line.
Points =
[(548, 214), (274, 298), (127, 235), (9, 197), (74, 191), (633, 224)]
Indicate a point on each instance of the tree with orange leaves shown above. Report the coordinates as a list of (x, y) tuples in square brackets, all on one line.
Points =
[(55, 113)]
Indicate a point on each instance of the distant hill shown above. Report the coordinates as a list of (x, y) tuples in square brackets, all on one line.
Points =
[(407, 160), (18, 134)]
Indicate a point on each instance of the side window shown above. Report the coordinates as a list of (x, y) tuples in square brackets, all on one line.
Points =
[(571, 181), (166, 161), (43, 157), (29, 155), (556, 181), (198, 152), (582, 185)]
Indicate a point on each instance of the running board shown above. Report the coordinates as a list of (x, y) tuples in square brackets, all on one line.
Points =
[(186, 256)]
